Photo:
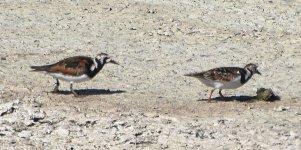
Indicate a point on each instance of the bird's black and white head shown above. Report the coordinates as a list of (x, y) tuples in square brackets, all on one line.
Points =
[(252, 68), (104, 58)]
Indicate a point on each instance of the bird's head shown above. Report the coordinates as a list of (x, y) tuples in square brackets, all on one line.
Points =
[(252, 68), (105, 58)]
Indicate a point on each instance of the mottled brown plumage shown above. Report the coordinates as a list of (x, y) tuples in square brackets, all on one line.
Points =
[(219, 74), (75, 69), (77, 65), (225, 77), (72, 66)]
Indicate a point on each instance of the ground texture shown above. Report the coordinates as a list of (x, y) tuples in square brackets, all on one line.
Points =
[(146, 102)]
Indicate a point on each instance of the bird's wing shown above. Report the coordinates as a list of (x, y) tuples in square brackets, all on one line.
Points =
[(222, 74), (77, 65)]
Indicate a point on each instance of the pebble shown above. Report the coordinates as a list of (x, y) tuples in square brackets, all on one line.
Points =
[(234, 132), (281, 109), (120, 123), (200, 133), (163, 146), (45, 129), (36, 114), (37, 103), (28, 122), (293, 135), (5, 130), (51, 120), (19, 126), (221, 121), (62, 132), (166, 121), (7, 108), (24, 134), (298, 113), (152, 115)]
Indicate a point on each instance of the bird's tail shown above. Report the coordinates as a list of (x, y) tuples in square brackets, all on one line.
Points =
[(190, 75), (39, 68), (193, 75)]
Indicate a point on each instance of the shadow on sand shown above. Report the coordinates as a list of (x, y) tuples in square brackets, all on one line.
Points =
[(242, 98), (233, 98), (87, 92)]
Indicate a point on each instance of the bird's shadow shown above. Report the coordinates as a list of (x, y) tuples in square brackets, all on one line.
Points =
[(87, 92), (242, 98)]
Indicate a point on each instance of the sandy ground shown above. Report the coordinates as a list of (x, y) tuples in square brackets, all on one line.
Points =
[(147, 103)]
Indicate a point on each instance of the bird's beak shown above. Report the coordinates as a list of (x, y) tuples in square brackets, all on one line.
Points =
[(113, 62), (258, 72)]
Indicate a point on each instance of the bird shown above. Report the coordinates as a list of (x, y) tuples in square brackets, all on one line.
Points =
[(225, 77), (75, 69)]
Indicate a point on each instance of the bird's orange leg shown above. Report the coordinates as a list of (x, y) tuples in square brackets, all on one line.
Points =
[(56, 88), (71, 89), (209, 100)]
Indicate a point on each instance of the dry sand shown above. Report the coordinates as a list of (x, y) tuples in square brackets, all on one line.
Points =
[(148, 103)]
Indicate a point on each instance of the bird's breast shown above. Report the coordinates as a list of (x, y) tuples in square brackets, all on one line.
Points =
[(217, 84), (70, 78)]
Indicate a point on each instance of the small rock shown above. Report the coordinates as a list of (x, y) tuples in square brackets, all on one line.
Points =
[(37, 114), (125, 139), (38, 103), (143, 140), (7, 108), (246, 120), (90, 123), (165, 32), (46, 129), (133, 28), (293, 135), (62, 132), (138, 133), (266, 94), (24, 134), (199, 133), (298, 113), (157, 131), (281, 108), (84, 123), (28, 123), (166, 121), (163, 146), (211, 136), (234, 132), (19, 126), (153, 115), (5, 130), (221, 121), (51, 120), (185, 131), (119, 123), (151, 11)]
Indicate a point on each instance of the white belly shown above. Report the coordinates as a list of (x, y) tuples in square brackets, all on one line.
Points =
[(222, 84), (69, 78)]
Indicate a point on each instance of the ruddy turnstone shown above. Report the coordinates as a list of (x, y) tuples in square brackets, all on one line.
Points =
[(226, 77), (75, 69)]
